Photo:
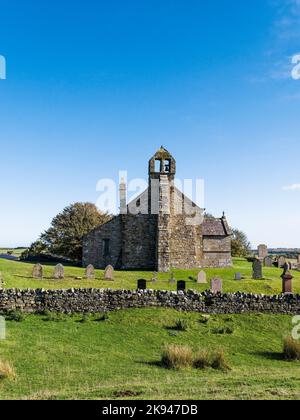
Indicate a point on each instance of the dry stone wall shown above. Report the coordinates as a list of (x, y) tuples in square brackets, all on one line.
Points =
[(97, 300)]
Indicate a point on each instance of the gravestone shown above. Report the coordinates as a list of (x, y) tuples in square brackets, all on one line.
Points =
[(238, 276), (109, 273), (287, 286), (298, 258), (257, 273), (268, 262), (285, 269), (216, 285), (142, 284), (59, 272), (37, 272), (2, 328), (172, 279), (90, 272), (154, 278), (281, 262), (181, 286), (262, 252), (201, 279)]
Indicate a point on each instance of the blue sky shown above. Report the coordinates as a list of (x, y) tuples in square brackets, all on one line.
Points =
[(95, 87)]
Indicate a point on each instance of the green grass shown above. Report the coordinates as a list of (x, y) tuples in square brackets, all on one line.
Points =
[(16, 252), (103, 360), (19, 275)]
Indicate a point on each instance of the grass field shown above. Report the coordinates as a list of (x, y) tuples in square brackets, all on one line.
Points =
[(16, 252), (19, 275), (120, 358)]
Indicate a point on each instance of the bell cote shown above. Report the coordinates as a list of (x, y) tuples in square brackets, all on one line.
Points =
[(162, 163)]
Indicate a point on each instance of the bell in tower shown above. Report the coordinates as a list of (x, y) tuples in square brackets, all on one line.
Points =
[(162, 163)]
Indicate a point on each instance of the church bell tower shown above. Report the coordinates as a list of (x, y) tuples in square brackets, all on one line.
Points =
[(162, 170)]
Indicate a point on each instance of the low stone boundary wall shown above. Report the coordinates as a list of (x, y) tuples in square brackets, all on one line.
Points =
[(98, 300)]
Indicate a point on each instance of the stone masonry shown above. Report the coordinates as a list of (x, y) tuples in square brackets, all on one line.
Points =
[(160, 229), (97, 300)]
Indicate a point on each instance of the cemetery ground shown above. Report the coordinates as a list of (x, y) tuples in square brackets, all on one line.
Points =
[(77, 358), (90, 357), (19, 275)]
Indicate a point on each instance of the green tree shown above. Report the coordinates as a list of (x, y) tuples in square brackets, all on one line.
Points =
[(64, 237), (240, 245)]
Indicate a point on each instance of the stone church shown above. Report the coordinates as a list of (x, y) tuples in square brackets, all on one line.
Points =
[(159, 230)]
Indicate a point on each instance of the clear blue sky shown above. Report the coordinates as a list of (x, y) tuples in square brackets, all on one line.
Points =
[(94, 87)]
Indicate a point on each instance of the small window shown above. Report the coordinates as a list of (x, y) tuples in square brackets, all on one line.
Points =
[(157, 166), (138, 202), (106, 250), (167, 166)]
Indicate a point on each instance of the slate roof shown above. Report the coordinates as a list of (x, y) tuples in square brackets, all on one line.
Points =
[(215, 227)]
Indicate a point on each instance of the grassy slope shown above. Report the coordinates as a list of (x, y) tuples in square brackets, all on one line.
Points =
[(16, 252), (18, 275), (94, 360)]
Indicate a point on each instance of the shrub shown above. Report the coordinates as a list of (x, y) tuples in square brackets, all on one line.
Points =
[(218, 360), (15, 315), (6, 370), (223, 330), (202, 360), (177, 357), (181, 325), (291, 349)]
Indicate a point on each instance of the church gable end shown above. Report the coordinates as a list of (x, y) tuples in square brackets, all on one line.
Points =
[(160, 229)]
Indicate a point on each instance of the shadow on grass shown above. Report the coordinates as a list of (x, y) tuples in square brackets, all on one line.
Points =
[(270, 355), (155, 363)]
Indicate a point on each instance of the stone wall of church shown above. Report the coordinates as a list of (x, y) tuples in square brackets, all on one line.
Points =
[(139, 242), (185, 240), (93, 245), (217, 251)]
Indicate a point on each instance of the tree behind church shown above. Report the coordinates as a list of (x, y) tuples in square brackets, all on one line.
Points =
[(240, 245), (64, 237)]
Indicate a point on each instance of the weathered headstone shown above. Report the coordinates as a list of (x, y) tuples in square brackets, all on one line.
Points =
[(268, 262), (59, 272), (172, 279), (154, 278), (281, 262), (262, 252), (142, 284), (109, 273), (181, 286), (90, 272), (201, 279), (257, 273), (285, 268), (38, 271), (2, 328), (287, 286), (238, 276), (216, 285)]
